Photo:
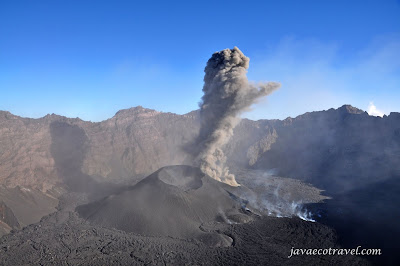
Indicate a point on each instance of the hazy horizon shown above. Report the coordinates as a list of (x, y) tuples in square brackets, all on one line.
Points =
[(370, 112)]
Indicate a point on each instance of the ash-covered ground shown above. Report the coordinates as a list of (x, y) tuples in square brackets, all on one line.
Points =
[(65, 238)]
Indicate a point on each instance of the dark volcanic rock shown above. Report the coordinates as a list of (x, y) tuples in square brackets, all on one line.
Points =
[(7, 218), (62, 238), (174, 201)]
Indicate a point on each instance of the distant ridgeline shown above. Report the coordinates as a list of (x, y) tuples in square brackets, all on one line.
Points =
[(336, 148)]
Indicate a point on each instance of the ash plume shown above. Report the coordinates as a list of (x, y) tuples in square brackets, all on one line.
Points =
[(227, 93)]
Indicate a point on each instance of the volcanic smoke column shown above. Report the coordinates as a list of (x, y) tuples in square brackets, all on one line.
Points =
[(227, 93)]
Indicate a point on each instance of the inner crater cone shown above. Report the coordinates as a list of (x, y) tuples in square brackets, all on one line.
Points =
[(176, 201)]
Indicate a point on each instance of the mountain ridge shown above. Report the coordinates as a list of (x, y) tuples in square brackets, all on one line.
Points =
[(137, 141), (136, 109)]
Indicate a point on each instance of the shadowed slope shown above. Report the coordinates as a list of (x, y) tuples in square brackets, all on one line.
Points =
[(174, 201)]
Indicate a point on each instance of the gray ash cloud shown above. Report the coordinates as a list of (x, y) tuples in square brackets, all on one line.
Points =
[(227, 93)]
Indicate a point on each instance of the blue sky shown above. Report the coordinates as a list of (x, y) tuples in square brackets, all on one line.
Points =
[(89, 59)]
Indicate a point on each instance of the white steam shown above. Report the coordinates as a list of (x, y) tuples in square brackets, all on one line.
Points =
[(280, 206), (274, 195), (372, 110)]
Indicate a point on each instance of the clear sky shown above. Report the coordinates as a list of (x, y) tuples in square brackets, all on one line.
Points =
[(89, 59)]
